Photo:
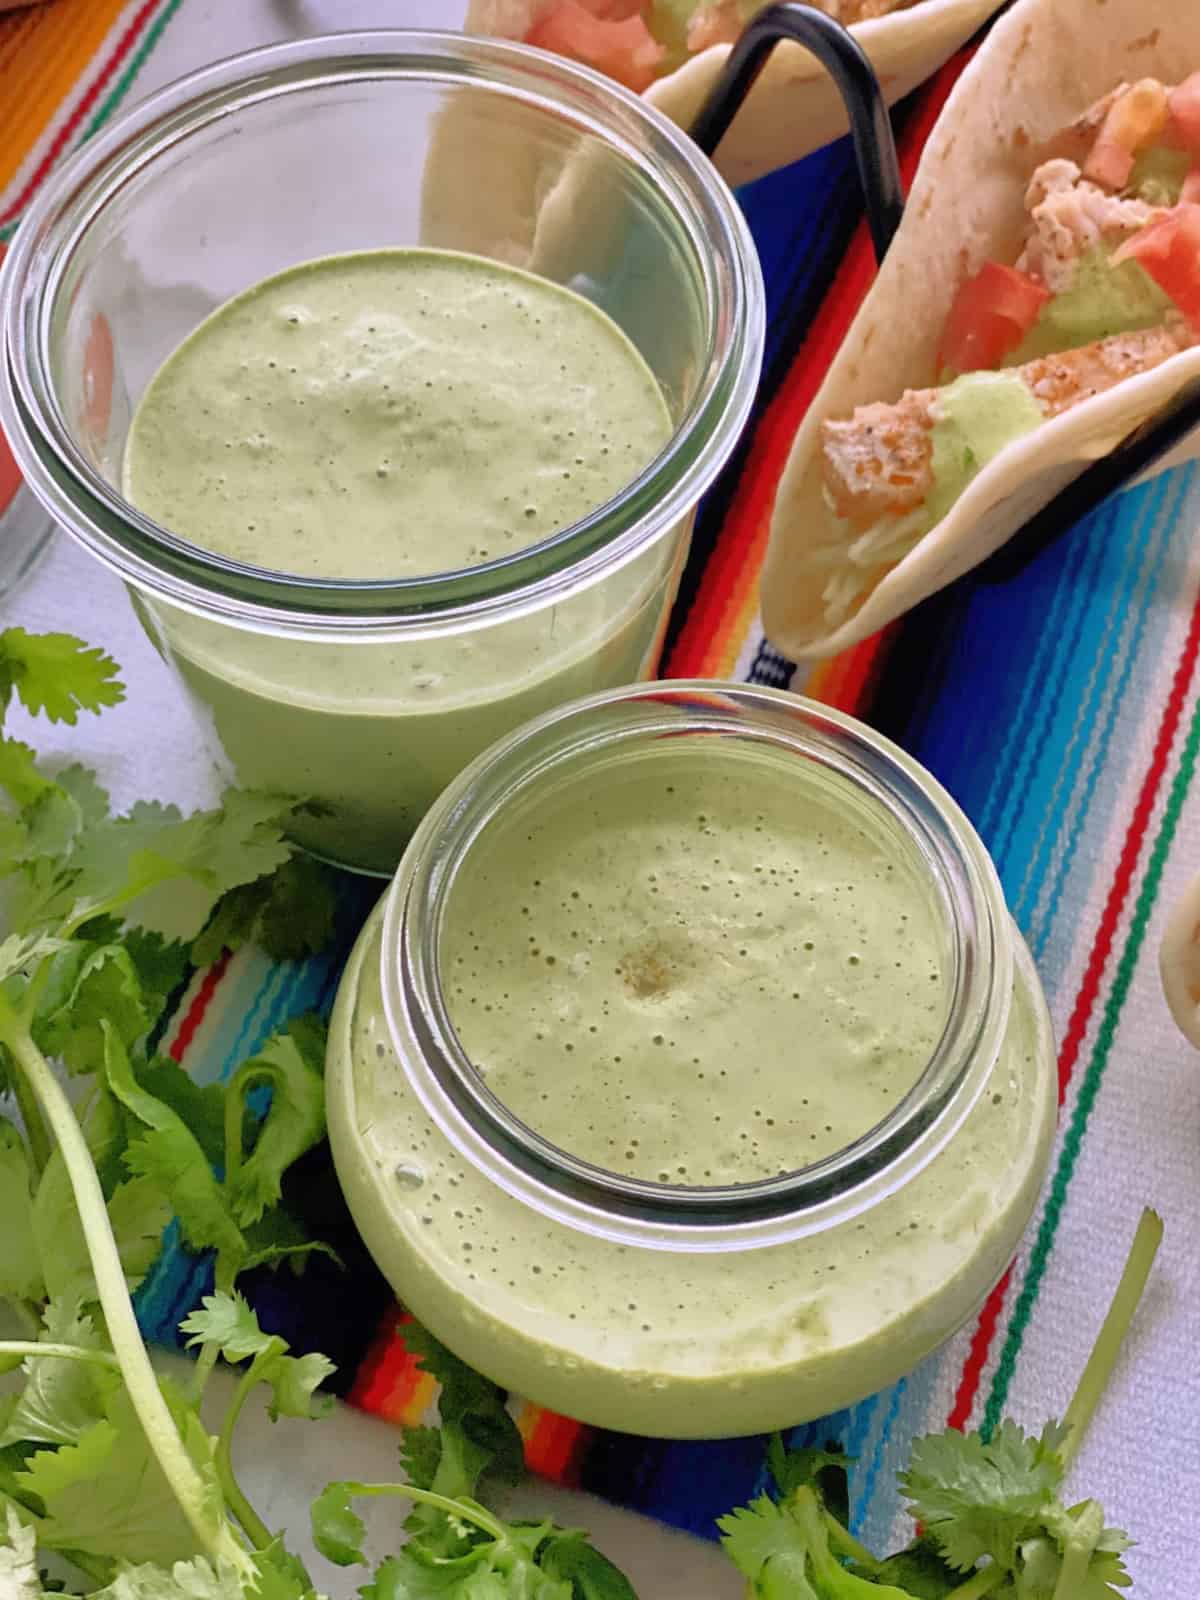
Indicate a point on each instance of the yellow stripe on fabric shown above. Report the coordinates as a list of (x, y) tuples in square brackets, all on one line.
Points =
[(42, 56)]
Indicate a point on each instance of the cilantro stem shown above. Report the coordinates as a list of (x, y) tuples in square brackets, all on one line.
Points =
[(844, 1543), (62, 1352), (465, 1510), (983, 1582), (144, 1393), (255, 1528), (34, 1123), (1107, 1348)]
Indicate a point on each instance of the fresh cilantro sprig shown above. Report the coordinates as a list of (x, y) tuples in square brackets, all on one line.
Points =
[(455, 1547), (104, 914), (991, 1508)]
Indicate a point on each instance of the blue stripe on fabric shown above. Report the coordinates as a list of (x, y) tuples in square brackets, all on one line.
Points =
[(1047, 638), (1026, 796), (1087, 664), (1007, 768), (867, 1475), (1111, 694), (179, 1279)]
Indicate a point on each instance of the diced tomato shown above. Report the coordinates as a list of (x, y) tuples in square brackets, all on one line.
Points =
[(1134, 121), (1190, 193), (1170, 252), (991, 314), (621, 46), (1184, 106)]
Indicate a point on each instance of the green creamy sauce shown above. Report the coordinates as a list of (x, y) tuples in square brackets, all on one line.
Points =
[(390, 414), (695, 968), (1158, 175), (1103, 300), (976, 417), (677, 972)]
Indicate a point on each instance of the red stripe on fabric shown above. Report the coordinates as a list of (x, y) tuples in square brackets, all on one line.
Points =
[(981, 1343), (1089, 988), (746, 525), (1127, 864), (196, 1011), (375, 1379), (554, 1447), (124, 45), (389, 1376)]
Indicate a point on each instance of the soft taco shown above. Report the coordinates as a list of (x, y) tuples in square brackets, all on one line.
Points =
[(674, 50), (1179, 962), (1040, 302)]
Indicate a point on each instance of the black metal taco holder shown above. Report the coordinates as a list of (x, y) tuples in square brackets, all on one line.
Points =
[(883, 195)]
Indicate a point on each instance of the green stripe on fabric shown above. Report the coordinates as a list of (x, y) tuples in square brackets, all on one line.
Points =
[(1090, 1087), (117, 93), (136, 62)]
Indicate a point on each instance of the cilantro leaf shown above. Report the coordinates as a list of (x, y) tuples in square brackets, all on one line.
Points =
[(138, 1212), (337, 1529), (186, 1580), (20, 1264), (106, 1496), (19, 776), (754, 1535), (161, 966), (292, 1063), (290, 914), (107, 993), (824, 1470), (403, 1577), (170, 1155), (591, 1576), (473, 1402), (277, 1238), (227, 1321), (83, 786), (127, 860), (200, 1106), (62, 1398), (420, 1454), (980, 1498), (19, 1578), (281, 1576), (921, 1572), (56, 674), (19, 952)]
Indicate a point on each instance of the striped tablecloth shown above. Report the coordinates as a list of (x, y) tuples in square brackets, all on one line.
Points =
[(1060, 705)]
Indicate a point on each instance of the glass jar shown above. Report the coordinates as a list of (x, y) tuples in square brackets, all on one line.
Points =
[(367, 697), (773, 1271)]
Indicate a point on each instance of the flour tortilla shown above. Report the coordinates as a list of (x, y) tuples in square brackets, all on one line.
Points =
[(1179, 962), (1041, 66), (792, 110)]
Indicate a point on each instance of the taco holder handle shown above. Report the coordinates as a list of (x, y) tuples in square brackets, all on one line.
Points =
[(883, 195), (846, 63)]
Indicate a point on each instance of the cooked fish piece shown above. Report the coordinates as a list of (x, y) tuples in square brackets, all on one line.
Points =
[(1069, 215), (878, 463)]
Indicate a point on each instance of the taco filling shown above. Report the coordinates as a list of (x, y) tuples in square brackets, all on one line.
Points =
[(1106, 287), (636, 41)]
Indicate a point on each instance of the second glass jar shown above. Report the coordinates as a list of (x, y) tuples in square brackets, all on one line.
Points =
[(691, 1078)]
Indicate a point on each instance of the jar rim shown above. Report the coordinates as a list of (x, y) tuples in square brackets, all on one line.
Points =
[(638, 1211), (158, 561)]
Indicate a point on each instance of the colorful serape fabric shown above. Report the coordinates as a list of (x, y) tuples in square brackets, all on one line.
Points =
[(1060, 705)]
